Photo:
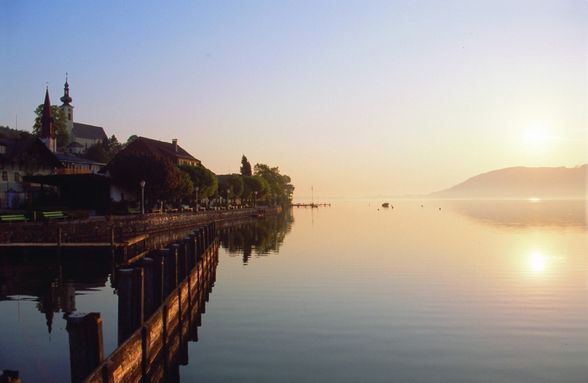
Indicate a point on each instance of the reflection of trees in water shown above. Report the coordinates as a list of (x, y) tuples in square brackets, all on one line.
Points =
[(261, 237)]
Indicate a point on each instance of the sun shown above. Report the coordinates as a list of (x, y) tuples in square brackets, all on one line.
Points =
[(537, 137)]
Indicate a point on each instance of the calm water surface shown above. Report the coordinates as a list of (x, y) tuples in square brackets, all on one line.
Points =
[(474, 292), (446, 292)]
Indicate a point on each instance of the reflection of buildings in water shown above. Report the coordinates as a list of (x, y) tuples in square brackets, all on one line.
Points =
[(259, 237), (59, 297), (569, 213), (51, 279)]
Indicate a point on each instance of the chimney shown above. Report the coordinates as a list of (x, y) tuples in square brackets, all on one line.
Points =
[(175, 144)]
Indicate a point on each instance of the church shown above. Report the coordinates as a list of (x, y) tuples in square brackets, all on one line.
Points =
[(81, 136)]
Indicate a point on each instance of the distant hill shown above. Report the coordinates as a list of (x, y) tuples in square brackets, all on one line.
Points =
[(522, 182)]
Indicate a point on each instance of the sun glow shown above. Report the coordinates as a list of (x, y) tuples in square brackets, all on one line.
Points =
[(537, 262), (537, 137)]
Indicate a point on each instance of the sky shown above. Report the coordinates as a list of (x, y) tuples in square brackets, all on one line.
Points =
[(350, 98)]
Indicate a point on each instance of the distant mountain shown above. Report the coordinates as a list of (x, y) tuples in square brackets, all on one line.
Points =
[(522, 182)]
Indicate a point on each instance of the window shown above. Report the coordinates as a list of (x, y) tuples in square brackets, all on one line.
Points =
[(2, 149), (4, 175), (16, 176)]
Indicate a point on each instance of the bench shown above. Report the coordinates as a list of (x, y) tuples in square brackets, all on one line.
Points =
[(49, 215), (13, 218)]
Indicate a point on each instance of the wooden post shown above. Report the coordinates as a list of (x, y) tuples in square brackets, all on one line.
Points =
[(86, 350), (59, 236), (173, 266), (182, 260), (149, 285), (112, 236), (130, 302), (163, 262)]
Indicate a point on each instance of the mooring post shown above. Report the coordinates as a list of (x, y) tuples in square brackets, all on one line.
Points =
[(86, 350), (130, 302), (181, 260), (161, 275), (192, 252), (59, 233), (199, 245), (112, 236), (173, 266), (149, 285)]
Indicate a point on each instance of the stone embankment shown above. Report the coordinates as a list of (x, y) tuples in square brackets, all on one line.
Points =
[(118, 228)]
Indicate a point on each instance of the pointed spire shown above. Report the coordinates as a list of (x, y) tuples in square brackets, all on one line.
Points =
[(46, 118), (66, 99)]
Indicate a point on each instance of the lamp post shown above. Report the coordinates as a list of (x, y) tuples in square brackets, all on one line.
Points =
[(197, 200), (142, 184), (255, 198)]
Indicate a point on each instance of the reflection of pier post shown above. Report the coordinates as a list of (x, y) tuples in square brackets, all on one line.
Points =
[(85, 344), (130, 302)]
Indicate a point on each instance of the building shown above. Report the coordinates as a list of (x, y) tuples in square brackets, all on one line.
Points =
[(85, 135), (23, 156), (148, 147), (160, 149)]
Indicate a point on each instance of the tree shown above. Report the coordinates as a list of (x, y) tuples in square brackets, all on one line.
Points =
[(280, 187), (103, 151), (245, 166), (202, 178), (230, 186), (185, 188), (161, 175), (255, 184), (59, 124)]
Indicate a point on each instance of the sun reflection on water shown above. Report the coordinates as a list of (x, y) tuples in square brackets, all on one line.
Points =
[(537, 262)]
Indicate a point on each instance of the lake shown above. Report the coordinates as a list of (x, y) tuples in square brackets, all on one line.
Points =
[(424, 291)]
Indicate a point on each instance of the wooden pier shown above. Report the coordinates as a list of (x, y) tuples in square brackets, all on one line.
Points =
[(311, 205), (161, 301)]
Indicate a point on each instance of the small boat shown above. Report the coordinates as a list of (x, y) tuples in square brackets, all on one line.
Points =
[(386, 204)]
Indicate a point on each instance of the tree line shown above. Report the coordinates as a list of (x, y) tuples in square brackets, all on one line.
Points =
[(188, 185)]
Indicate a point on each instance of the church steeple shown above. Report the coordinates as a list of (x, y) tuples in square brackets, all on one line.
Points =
[(47, 129), (66, 99), (67, 109)]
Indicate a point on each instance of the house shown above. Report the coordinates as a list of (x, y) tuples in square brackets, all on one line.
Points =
[(154, 148), (23, 156), (143, 146)]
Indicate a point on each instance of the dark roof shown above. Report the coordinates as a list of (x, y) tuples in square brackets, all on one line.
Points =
[(75, 145), (158, 148), (27, 150), (65, 157), (89, 132)]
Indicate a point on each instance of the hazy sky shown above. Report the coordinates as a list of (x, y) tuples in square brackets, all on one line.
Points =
[(358, 98)]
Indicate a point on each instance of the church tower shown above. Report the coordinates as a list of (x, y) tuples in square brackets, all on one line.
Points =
[(48, 135), (67, 109)]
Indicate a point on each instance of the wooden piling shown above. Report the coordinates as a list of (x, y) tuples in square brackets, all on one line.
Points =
[(149, 286), (86, 350), (173, 266), (130, 302)]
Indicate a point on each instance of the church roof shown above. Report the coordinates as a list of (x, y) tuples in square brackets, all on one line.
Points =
[(90, 132), (47, 129)]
